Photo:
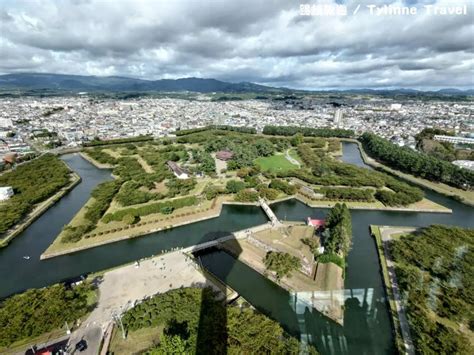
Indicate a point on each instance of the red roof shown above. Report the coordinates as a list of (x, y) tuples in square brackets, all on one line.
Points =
[(316, 222), (224, 155)]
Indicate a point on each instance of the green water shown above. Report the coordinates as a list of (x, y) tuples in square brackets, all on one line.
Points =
[(366, 328)]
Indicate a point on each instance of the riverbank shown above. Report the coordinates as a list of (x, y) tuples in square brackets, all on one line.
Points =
[(321, 284), (95, 162), (149, 224), (38, 210), (466, 197), (400, 325)]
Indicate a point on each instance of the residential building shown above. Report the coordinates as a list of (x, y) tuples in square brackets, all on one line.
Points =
[(179, 172)]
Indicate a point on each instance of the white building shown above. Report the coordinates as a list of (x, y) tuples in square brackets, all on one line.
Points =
[(338, 117), (179, 172), (6, 122), (466, 164), (454, 139), (6, 192)]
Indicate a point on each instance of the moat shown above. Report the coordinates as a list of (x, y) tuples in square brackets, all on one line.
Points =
[(367, 327)]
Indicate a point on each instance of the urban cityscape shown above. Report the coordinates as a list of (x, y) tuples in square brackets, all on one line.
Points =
[(236, 177)]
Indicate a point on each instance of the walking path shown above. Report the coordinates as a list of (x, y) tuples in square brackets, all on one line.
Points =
[(122, 288), (386, 232), (268, 211), (291, 159)]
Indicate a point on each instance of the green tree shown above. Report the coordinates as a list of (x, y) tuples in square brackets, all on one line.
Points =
[(234, 186), (297, 139), (264, 147), (170, 344), (281, 263), (130, 219)]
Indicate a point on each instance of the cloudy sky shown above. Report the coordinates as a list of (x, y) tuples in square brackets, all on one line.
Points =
[(268, 42)]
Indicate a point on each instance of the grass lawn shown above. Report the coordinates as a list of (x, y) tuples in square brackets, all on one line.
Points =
[(275, 163), (136, 341)]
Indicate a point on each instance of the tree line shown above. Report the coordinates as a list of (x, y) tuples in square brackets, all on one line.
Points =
[(329, 172), (39, 311), (165, 207), (193, 320), (102, 197), (239, 129), (32, 182), (435, 273), (337, 237), (307, 131), (416, 163), (98, 141)]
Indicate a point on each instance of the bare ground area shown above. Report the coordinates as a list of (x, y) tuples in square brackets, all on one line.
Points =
[(121, 288)]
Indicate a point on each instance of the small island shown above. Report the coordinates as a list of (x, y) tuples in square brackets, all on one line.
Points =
[(161, 184)]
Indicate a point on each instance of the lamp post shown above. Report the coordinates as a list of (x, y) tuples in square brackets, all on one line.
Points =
[(118, 319)]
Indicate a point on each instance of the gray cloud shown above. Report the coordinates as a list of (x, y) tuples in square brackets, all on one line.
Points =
[(266, 42)]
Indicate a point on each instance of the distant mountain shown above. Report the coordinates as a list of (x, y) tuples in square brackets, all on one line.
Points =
[(451, 91), (62, 82), (78, 83)]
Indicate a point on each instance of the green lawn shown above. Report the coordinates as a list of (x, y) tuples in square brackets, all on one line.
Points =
[(275, 163)]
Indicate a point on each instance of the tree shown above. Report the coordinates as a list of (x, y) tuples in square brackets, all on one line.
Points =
[(268, 193), (38, 311), (415, 163), (264, 147), (338, 221), (281, 263), (170, 344), (246, 195), (166, 210), (130, 219), (234, 186), (297, 139)]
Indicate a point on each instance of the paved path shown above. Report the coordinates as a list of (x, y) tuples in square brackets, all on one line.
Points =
[(386, 232), (291, 159), (123, 287), (268, 211)]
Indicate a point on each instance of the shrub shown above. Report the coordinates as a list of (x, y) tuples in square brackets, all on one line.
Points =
[(130, 219), (247, 195)]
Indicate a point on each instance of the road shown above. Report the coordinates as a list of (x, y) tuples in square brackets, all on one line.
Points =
[(386, 233)]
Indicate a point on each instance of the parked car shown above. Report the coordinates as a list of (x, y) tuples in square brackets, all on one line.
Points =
[(81, 345)]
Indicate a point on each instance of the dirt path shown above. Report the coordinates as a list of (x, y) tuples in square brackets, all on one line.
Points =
[(404, 326)]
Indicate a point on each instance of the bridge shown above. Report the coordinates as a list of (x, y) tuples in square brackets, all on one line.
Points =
[(268, 211), (242, 234)]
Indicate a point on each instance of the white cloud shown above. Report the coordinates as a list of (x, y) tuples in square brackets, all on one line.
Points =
[(247, 40)]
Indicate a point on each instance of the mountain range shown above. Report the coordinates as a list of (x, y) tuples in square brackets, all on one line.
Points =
[(79, 83)]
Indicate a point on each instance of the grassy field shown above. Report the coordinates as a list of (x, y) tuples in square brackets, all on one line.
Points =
[(136, 341), (275, 163)]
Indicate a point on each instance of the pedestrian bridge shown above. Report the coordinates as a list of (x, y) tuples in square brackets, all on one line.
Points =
[(242, 234), (268, 211)]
